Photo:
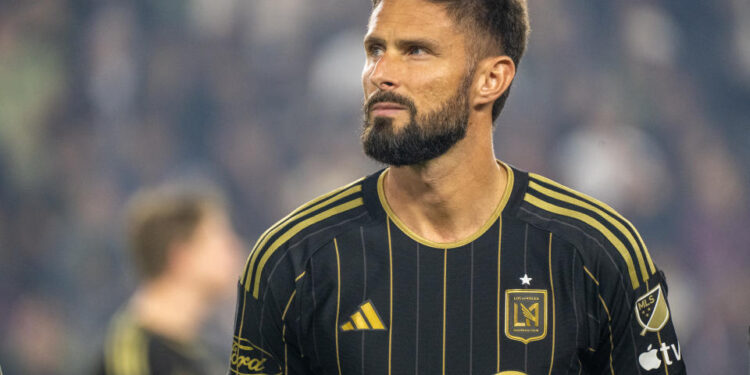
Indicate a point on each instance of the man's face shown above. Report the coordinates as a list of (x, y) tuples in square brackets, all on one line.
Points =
[(211, 255), (416, 83)]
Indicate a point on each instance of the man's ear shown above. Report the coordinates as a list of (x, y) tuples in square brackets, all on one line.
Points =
[(494, 76)]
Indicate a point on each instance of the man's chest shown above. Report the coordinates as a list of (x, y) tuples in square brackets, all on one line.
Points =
[(497, 304)]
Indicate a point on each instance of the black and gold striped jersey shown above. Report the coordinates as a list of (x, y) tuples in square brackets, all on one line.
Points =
[(555, 282), (130, 349)]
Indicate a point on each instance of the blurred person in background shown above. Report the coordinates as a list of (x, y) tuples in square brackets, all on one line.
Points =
[(182, 244)]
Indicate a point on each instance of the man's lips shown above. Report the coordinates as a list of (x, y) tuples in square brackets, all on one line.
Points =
[(386, 109)]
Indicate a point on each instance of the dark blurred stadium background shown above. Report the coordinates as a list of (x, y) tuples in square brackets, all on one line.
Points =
[(98, 98)]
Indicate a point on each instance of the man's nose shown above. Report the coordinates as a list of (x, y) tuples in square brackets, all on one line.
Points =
[(383, 74)]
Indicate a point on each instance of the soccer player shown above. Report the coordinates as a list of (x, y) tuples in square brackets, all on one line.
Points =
[(183, 244), (450, 261)]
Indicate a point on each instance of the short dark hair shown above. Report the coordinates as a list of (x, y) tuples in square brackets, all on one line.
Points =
[(495, 27), (160, 217)]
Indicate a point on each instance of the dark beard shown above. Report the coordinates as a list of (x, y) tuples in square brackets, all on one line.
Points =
[(424, 138)]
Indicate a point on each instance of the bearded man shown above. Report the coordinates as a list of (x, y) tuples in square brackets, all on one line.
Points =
[(450, 261)]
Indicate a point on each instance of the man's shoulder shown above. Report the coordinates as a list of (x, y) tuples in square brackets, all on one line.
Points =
[(597, 230), (546, 200), (308, 227), (341, 205)]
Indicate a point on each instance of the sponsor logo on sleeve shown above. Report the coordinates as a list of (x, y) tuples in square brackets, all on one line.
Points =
[(651, 310), (649, 360), (249, 359)]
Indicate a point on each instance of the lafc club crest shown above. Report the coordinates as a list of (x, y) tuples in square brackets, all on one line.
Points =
[(652, 311), (526, 314)]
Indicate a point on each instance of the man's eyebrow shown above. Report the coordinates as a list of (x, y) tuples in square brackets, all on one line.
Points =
[(369, 40), (422, 42), (404, 43)]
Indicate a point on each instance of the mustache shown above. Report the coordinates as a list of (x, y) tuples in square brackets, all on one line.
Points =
[(390, 97)]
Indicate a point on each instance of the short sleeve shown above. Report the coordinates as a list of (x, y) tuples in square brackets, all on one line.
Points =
[(257, 345), (637, 332), (266, 331)]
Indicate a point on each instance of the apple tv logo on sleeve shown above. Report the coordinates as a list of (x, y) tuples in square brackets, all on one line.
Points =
[(649, 360)]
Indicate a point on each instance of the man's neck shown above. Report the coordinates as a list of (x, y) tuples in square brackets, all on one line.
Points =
[(169, 309), (448, 198)]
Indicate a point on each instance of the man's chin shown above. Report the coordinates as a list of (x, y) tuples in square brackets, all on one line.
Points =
[(393, 123), (388, 153)]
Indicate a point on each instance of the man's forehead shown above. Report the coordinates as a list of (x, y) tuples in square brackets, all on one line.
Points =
[(409, 16)]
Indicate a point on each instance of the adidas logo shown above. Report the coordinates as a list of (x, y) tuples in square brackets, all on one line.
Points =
[(364, 319)]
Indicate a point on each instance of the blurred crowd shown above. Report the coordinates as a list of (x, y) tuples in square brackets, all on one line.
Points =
[(644, 104)]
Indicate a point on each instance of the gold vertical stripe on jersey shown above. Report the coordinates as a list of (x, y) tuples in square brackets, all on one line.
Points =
[(283, 329), (242, 317), (607, 208), (592, 276), (390, 292), (606, 216), (666, 367), (338, 301), (611, 340), (552, 286), (445, 296), (658, 338), (299, 276), (252, 258), (289, 303), (593, 223), (296, 229), (499, 258), (606, 310)]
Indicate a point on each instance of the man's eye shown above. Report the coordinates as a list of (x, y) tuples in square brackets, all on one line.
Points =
[(417, 51), (375, 50)]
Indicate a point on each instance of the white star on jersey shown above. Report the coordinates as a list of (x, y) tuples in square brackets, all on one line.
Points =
[(525, 280)]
